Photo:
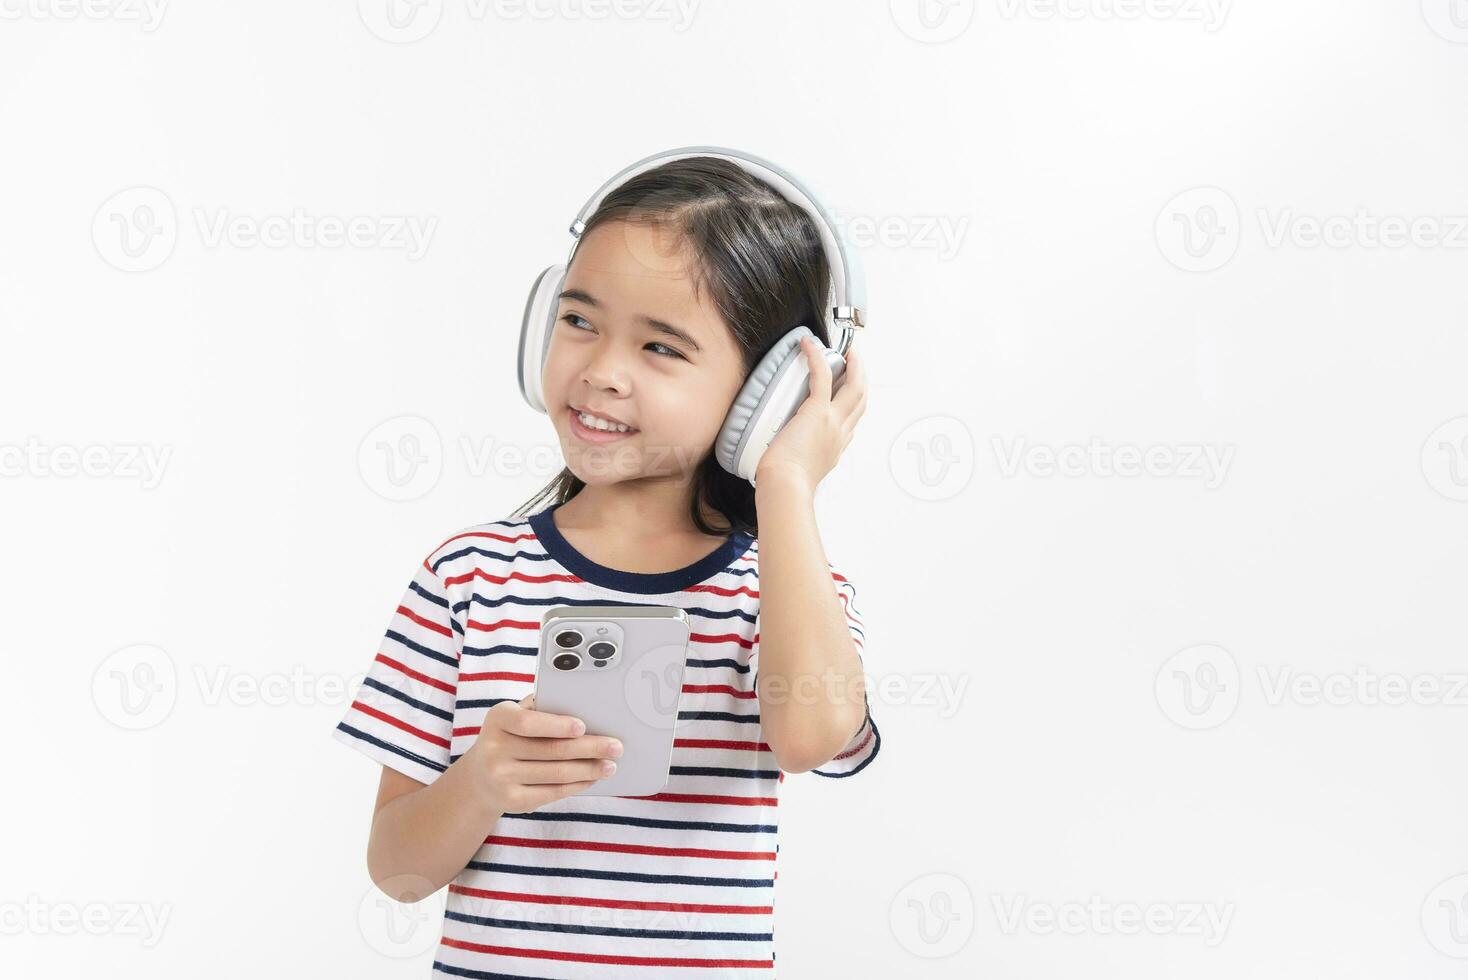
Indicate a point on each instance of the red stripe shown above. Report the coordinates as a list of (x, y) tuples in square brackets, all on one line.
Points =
[(513, 624), (704, 798), (486, 534), (432, 681), (722, 638), (551, 954), (717, 689), (426, 623), (479, 573), (497, 675), (367, 709), (719, 590), (589, 845), (612, 903), (860, 745), (719, 743)]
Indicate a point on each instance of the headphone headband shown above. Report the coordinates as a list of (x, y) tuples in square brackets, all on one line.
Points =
[(846, 301)]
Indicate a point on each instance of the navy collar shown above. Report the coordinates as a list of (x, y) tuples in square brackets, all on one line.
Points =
[(649, 583)]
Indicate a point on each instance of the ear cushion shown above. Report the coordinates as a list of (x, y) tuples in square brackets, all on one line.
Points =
[(733, 438), (535, 333)]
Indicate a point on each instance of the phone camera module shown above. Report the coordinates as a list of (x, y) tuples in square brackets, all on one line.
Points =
[(601, 650), (600, 663), (568, 639), (566, 661)]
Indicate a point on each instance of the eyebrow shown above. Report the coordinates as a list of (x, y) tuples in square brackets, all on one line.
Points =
[(660, 326)]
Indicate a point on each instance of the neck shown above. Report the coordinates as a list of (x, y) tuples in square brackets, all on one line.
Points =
[(651, 507)]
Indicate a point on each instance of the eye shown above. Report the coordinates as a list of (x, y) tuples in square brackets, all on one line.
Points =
[(671, 351), (572, 317)]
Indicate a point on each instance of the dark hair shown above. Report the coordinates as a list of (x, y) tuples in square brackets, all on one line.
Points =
[(760, 258)]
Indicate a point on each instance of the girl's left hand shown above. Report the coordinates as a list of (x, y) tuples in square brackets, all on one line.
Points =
[(809, 445)]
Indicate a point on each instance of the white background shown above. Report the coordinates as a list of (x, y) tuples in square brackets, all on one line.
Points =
[(1078, 617)]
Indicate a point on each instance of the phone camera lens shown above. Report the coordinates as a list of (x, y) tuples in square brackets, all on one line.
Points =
[(602, 650), (568, 638), (600, 663), (566, 661)]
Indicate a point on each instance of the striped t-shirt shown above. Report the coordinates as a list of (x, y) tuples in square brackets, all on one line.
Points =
[(679, 883)]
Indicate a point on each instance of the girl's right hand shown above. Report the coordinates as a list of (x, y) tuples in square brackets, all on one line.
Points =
[(526, 758)]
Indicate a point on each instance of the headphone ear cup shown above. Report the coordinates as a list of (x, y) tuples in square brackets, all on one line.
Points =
[(770, 397), (535, 333)]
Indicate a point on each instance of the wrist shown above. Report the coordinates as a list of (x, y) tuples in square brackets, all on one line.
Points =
[(782, 482)]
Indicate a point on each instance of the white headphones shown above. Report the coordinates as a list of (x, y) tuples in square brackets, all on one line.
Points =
[(780, 382)]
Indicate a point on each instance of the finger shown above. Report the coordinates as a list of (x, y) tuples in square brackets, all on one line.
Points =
[(543, 724), (584, 747), (528, 701), (820, 371), (853, 381), (539, 796), (536, 773)]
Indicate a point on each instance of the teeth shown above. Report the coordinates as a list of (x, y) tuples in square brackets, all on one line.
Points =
[(592, 422)]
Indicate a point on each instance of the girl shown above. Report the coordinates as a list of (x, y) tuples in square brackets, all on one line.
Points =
[(684, 277)]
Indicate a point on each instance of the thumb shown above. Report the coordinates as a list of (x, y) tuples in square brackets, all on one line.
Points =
[(528, 701)]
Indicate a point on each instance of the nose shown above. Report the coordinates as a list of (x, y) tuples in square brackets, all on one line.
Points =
[(605, 370)]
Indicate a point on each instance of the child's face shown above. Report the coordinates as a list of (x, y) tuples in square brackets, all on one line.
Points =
[(607, 357)]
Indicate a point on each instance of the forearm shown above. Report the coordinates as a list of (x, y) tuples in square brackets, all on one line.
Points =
[(810, 685), (423, 839)]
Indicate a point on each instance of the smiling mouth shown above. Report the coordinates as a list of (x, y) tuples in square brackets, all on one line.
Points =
[(587, 434)]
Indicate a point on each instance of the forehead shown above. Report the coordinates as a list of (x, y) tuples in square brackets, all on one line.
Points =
[(637, 268)]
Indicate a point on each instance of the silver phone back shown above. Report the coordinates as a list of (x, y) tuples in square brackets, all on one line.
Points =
[(634, 697)]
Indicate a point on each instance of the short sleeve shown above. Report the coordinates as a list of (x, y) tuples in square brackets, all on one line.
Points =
[(863, 746), (403, 712)]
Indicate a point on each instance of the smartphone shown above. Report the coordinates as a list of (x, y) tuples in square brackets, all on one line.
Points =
[(619, 668)]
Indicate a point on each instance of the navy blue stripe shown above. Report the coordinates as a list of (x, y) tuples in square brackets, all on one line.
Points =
[(501, 648), (876, 747), (560, 600), (717, 771), (720, 662), (731, 828), (423, 706), (431, 654), (436, 767), (481, 703), (484, 920), (526, 869), (463, 971), (718, 716), (437, 600)]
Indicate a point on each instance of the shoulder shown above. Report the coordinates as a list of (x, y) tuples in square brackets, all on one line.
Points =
[(469, 546)]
